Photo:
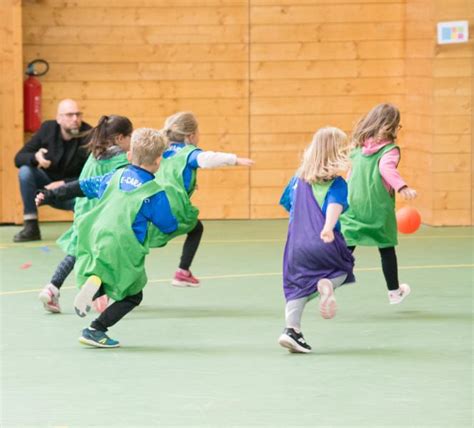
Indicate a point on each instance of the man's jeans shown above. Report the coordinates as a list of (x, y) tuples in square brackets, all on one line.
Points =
[(31, 180)]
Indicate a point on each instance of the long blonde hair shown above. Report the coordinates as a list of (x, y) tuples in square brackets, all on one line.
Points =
[(326, 157), (180, 125), (381, 123)]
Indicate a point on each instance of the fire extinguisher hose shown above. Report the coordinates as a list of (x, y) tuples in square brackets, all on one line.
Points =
[(30, 68)]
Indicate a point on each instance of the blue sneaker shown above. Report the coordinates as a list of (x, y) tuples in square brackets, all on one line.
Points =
[(98, 339)]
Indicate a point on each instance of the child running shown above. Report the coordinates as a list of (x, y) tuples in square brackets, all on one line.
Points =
[(108, 144), (112, 238), (316, 257), (373, 182), (178, 171)]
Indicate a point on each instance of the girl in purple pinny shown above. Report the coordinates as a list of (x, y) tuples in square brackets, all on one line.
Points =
[(316, 258)]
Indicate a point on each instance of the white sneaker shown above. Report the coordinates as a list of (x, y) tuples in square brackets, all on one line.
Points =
[(83, 300), (327, 301), (397, 296), (49, 295)]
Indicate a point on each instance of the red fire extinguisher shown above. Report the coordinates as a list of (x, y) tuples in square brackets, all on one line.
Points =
[(32, 95)]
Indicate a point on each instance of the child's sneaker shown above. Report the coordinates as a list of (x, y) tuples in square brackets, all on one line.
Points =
[(397, 296), (293, 341), (98, 339), (100, 304), (83, 300), (184, 278), (327, 301), (49, 295)]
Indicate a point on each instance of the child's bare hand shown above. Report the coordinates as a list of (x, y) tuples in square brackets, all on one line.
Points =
[(327, 235), (244, 162), (39, 199), (55, 185), (408, 193)]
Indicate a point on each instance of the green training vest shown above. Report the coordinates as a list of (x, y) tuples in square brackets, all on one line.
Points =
[(170, 178), (92, 168), (320, 190), (106, 244), (370, 219)]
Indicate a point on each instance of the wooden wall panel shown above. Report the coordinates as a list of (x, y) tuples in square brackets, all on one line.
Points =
[(262, 76), (439, 104), (11, 111), (148, 59), (314, 64)]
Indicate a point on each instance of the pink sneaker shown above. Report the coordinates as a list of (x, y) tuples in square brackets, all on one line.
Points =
[(397, 296), (100, 304), (327, 301), (49, 295), (184, 278)]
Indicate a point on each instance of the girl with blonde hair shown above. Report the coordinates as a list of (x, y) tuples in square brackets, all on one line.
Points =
[(178, 171), (316, 258), (373, 182)]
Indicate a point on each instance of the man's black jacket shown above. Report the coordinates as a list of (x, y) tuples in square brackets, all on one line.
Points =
[(67, 157)]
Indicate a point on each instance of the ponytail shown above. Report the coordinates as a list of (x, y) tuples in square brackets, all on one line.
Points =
[(103, 135)]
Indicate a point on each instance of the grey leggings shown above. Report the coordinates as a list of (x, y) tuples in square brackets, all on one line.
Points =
[(294, 308)]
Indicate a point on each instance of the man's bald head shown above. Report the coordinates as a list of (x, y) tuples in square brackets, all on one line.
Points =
[(67, 106), (69, 118)]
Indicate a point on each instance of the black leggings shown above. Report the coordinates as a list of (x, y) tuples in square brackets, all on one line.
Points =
[(389, 266), (62, 271), (191, 245), (116, 311)]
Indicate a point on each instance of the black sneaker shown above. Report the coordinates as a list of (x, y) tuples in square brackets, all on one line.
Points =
[(293, 341), (30, 232)]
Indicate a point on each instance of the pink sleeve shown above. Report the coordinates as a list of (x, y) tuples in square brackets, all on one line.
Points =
[(388, 169)]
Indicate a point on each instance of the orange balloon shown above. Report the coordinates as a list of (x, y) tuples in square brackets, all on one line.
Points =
[(408, 220)]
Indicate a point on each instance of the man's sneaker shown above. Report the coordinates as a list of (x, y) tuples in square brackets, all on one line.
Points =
[(184, 278), (49, 295), (327, 301), (98, 339), (100, 304), (397, 296), (294, 341)]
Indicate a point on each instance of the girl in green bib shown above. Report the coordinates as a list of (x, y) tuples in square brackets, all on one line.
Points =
[(178, 173), (108, 144), (373, 182)]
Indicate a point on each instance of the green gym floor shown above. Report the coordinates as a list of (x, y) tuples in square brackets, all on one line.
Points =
[(209, 357)]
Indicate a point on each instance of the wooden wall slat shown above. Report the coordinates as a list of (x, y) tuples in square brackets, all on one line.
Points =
[(328, 13), (117, 36), (138, 16), (11, 107), (327, 32)]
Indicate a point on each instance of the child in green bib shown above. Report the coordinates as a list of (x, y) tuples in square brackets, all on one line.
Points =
[(373, 182), (112, 238), (178, 171), (108, 144)]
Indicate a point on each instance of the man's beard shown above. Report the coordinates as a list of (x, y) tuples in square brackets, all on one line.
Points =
[(73, 131)]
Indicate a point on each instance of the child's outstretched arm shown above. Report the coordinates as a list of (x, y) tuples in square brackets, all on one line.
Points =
[(332, 216), (210, 159), (91, 188), (67, 191)]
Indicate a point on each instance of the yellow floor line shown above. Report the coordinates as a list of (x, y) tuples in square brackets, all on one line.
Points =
[(258, 274), (230, 241)]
